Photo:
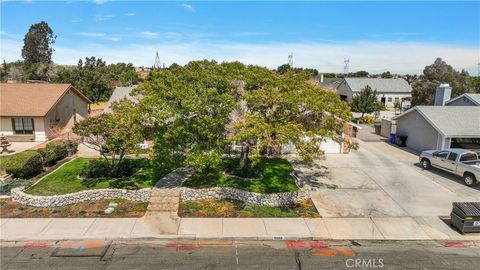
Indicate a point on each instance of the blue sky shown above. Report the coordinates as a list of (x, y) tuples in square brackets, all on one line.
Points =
[(376, 36)]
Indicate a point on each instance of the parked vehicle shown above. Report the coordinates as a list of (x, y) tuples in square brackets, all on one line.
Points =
[(459, 161)]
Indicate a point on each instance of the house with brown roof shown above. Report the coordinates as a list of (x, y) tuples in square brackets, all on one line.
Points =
[(37, 111)]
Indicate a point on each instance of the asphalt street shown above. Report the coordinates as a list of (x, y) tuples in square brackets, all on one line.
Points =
[(157, 254)]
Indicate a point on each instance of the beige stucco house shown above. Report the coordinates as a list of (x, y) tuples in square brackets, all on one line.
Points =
[(36, 111)]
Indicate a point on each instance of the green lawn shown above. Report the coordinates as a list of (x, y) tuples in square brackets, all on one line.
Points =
[(275, 172), (64, 180)]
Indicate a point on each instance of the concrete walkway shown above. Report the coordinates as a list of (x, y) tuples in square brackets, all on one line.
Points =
[(379, 228)]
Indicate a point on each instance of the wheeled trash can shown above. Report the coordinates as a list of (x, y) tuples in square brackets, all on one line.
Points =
[(465, 216)]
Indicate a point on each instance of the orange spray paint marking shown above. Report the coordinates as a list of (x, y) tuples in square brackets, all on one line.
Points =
[(332, 252)]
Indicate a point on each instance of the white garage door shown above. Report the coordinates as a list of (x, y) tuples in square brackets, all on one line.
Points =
[(331, 147)]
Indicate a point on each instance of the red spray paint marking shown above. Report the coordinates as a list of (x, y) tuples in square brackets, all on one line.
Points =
[(36, 244), (318, 244), (457, 244), (295, 244)]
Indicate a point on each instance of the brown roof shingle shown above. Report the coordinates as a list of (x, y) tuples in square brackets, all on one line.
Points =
[(32, 99)]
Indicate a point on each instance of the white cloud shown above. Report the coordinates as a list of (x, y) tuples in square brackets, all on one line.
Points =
[(91, 34), (130, 14), (115, 39), (399, 57), (76, 20), (100, 2), (187, 7), (101, 18), (99, 35), (248, 34), (148, 34)]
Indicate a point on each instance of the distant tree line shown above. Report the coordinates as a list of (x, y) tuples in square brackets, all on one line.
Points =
[(93, 77)]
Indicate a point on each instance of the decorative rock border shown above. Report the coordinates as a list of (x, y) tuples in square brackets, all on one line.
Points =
[(175, 178), (18, 195), (222, 193)]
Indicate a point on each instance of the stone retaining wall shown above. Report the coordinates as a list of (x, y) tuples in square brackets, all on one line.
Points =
[(186, 194), (222, 193), (140, 195)]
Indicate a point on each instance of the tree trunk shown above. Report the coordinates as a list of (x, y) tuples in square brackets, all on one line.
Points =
[(244, 155)]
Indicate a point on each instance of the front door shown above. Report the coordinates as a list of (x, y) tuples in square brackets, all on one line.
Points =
[(382, 100)]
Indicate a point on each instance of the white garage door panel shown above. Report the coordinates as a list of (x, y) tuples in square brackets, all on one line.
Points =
[(330, 147)]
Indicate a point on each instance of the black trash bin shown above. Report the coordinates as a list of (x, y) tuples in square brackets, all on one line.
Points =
[(465, 216), (402, 140)]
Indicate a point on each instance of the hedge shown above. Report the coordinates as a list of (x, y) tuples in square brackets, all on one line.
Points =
[(56, 150), (23, 165)]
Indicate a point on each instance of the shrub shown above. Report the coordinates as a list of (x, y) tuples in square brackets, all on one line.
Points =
[(57, 150), (7, 186), (98, 168), (367, 119), (24, 164)]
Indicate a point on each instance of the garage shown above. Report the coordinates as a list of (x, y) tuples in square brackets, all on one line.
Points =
[(440, 127), (331, 147), (466, 143)]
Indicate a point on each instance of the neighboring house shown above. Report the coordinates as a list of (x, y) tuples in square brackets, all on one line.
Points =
[(118, 94), (97, 108), (330, 146), (466, 99), (389, 90), (440, 127), (327, 83), (36, 111)]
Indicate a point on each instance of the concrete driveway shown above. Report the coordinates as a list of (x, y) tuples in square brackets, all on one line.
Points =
[(381, 180)]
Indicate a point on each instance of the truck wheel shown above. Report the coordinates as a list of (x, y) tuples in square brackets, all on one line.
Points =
[(469, 180), (426, 164)]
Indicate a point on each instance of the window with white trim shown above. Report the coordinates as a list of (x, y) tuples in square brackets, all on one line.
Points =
[(22, 125)]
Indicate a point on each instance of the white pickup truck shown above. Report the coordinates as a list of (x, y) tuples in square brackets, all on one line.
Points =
[(459, 161)]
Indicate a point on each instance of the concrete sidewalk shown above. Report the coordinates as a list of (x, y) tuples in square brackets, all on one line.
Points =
[(381, 228)]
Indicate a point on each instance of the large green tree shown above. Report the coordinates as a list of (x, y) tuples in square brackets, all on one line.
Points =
[(124, 73), (433, 75), (198, 110), (281, 109), (474, 83), (90, 77), (37, 47), (366, 101), (37, 51), (188, 108)]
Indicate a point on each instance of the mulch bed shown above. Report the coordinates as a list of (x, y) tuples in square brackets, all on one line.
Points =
[(230, 209), (89, 209)]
